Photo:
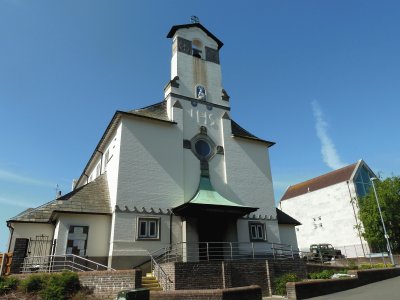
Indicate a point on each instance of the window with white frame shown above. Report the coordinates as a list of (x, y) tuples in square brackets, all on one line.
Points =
[(257, 231), (148, 228)]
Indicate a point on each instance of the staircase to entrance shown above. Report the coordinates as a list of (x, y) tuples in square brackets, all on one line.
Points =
[(150, 282)]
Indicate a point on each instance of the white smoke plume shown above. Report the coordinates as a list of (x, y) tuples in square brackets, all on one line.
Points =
[(328, 149)]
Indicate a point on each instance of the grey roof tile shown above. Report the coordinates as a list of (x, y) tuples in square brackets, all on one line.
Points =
[(90, 198), (156, 111)]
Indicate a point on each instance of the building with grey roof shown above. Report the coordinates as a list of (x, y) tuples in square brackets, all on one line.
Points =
[(177, 172)]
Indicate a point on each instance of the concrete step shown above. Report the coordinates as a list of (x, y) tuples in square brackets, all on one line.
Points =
[(150, 285), (150, 282)]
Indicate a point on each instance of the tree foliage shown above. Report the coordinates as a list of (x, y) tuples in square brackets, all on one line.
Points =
[(388, 191)]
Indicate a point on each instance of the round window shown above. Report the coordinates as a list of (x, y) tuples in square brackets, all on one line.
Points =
[(203, 148)]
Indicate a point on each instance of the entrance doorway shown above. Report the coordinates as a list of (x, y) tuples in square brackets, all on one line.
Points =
[(213, 232)]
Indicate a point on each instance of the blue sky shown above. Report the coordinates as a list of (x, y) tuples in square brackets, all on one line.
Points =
[(320, 78)]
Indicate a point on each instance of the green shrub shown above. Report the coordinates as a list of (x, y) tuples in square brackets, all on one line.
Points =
[(60, 286), (325, 274), (52, 286), (8, 284), (375, 266), (352, 265), (34, 283), (280, 283), (69, 281), (53, 292)]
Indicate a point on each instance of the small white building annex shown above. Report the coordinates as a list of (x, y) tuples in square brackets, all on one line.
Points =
[(178, 171), (327, 207)]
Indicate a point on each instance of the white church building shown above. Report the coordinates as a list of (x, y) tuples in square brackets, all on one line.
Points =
[(328, 206), (178, 171)]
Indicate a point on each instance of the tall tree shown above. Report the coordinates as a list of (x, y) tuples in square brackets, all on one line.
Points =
[(388, 192)]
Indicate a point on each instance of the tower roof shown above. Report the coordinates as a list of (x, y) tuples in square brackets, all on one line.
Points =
[(174, 28)]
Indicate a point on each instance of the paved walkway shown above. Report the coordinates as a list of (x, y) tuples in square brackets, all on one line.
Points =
[(383, 290)]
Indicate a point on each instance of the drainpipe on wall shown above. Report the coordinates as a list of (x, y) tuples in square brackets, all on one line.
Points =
[(11, 235), (355, 217), (170, 229)]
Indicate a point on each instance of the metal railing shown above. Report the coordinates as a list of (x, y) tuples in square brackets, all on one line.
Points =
[(59, 263), (163, 279), (217, 251)]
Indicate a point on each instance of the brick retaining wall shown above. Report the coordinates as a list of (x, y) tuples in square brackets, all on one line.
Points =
[(249, 293), (230, 274), (109, 283)]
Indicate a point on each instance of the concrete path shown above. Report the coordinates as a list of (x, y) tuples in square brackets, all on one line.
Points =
[(383, 290)]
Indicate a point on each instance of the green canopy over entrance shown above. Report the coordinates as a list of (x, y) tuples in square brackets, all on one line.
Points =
[(207, 201)]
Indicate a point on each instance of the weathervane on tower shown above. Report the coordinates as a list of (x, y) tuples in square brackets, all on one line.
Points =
[(194, 19)]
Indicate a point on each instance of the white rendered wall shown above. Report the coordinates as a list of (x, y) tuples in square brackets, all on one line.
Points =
[(126, 242), (112, 167), (150, 172), (98, 236), (270, 225), (287, 234), (326, 215), (30, 231)]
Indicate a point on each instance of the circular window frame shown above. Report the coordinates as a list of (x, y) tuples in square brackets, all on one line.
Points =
[(206, 139)]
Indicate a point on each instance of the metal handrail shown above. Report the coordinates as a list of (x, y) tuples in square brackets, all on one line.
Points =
[(57, 263), (160, 274), (209, 251)]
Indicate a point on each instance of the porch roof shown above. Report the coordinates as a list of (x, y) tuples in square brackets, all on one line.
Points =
[(207, 200), (92, 198)]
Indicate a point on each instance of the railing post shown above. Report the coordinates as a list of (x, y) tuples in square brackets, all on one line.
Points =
[(208, 257), (291, 249), (231, 251), (252, 249), (273, 250)]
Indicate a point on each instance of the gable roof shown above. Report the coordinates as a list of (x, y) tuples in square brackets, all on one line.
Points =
[(157, 111), (175, 28), (320, 182), (284, 218), (92, 198), (238, 131)]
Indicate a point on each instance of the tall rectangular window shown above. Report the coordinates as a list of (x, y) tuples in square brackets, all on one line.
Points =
[(77, 240), (148, 228)]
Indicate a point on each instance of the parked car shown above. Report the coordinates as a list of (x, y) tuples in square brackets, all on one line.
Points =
[(323, 252)]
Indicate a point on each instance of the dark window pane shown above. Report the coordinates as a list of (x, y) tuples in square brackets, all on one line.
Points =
[(365, 175), (202, 148), (142, 230), (153, 230), (253, 231), (360, 189), (260, 234)]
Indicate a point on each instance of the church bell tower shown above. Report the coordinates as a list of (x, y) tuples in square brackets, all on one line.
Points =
[(195, 65)]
